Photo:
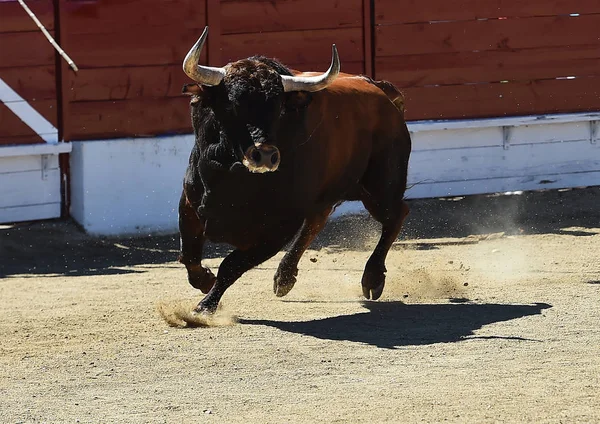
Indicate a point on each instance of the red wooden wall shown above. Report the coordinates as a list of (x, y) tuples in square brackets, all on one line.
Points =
[(466, 59), (129, 53), (27, 65), (483, 58)]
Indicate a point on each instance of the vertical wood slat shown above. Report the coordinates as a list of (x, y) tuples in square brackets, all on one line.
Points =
[(368, 26), (62, 75)]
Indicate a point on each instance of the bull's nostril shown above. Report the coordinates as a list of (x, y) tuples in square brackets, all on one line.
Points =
[(256, 156), (274, 158)]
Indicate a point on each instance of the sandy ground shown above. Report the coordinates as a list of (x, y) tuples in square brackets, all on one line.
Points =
[(489, 328)]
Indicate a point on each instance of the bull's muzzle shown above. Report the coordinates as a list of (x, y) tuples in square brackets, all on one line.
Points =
[(262, 158)]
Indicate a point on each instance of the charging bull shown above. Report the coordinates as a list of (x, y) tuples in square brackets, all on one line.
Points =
[(275, 152)]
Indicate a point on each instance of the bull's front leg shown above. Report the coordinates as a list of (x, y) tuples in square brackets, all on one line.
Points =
[(191, 233), (233, 266)]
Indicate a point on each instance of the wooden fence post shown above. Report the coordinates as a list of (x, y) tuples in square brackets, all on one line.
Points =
[(368, 31)]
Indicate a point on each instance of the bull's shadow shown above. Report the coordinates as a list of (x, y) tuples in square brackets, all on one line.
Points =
[(394, 324)]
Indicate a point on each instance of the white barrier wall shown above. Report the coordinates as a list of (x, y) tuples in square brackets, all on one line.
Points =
[(128, 186), (30, 186), (131, 186)]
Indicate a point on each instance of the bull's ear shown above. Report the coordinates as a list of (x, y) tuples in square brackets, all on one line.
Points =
[(297, 100), (192, 89)]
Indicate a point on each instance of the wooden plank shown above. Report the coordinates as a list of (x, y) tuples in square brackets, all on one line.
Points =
[(493, 136), (37, 82), (550, 133), (28, 188), (296, 46), (15, 19), (127, 83), (32, 139), (132, 117), (509, 34), (456, 138), (253, 16), (511, 99), (502, 185), (347, 67), (213, 20), (30, 213), (489, 66), (126, 17), (137, 48), (13, 54), (392, 11), (495, 162), (13, 129), (12, 164), (35, 149)]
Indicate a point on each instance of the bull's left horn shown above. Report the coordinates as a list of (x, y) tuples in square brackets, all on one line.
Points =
[(313, 83), (206, 75)]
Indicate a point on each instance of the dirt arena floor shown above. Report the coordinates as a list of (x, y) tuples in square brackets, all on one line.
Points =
[(491, 313)]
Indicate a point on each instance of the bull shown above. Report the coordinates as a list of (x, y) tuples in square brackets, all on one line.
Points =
[(275, 152)]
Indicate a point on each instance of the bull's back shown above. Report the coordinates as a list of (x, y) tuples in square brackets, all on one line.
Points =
[(359, 121)]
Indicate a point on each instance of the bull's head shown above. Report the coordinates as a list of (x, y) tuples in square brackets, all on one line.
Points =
[(249, 98)]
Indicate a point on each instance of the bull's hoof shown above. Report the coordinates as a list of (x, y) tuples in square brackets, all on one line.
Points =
[(201, 278), (373, 284), (208, 308), (283, 283), (373, 293)]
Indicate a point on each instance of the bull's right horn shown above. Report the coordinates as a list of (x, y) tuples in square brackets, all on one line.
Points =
[(206, 75)]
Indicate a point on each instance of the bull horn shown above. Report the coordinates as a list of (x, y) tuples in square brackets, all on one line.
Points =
[(206, 75), (317, 83)]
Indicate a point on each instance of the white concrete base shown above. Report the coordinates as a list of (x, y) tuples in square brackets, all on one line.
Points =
[(30, 182), (128, 186), (132, 186)]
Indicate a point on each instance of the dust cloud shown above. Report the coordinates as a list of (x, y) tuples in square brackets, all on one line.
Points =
[(180, 314)]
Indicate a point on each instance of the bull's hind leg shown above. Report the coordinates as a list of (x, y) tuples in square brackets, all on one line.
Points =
[(191, 233), (373, 280), (285, 277), (384, 185)]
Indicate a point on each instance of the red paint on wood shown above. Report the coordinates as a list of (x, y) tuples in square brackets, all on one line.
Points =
[(13, 129), (394, 11), (31, 83), (489, 66), (126, 118), (497, 100), (509, 34), (251, 16), (297, 46), (15, 19), (127, 83), (213, 19), (127, 17), (25, 49), (368, 38)]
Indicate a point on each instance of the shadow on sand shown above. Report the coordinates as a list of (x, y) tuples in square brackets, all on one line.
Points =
[(60, 247), (394, 324)]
